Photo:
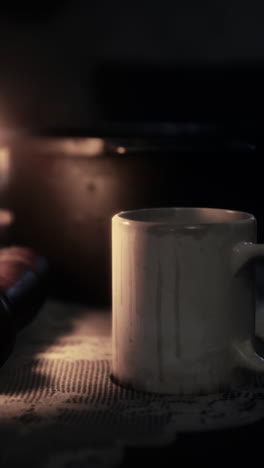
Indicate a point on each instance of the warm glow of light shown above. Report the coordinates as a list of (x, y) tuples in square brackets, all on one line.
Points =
[(6, 218), (4, 153), (83, 146), (121, 150), (86, 147), (4, 165)]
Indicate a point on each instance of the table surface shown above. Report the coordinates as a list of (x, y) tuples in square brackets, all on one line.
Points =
[(59, 407)]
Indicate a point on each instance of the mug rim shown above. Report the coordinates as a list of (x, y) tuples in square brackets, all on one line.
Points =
[(137, 216)]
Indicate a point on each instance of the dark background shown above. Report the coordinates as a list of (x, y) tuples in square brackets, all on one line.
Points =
[(76, 62)]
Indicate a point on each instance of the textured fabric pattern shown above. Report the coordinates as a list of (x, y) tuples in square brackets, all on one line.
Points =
[(59, 405)]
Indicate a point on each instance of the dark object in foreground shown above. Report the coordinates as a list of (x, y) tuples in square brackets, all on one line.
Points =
[(23, 289)]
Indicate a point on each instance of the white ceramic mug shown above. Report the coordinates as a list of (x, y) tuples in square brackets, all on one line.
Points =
[(183, 288)]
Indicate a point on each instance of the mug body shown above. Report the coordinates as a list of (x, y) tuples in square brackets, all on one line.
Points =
[(178, 305)]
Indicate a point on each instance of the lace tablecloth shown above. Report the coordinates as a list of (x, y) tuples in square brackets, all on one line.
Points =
[(59, 407)]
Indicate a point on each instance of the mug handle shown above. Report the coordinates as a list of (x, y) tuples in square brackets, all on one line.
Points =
[(243, 253)]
